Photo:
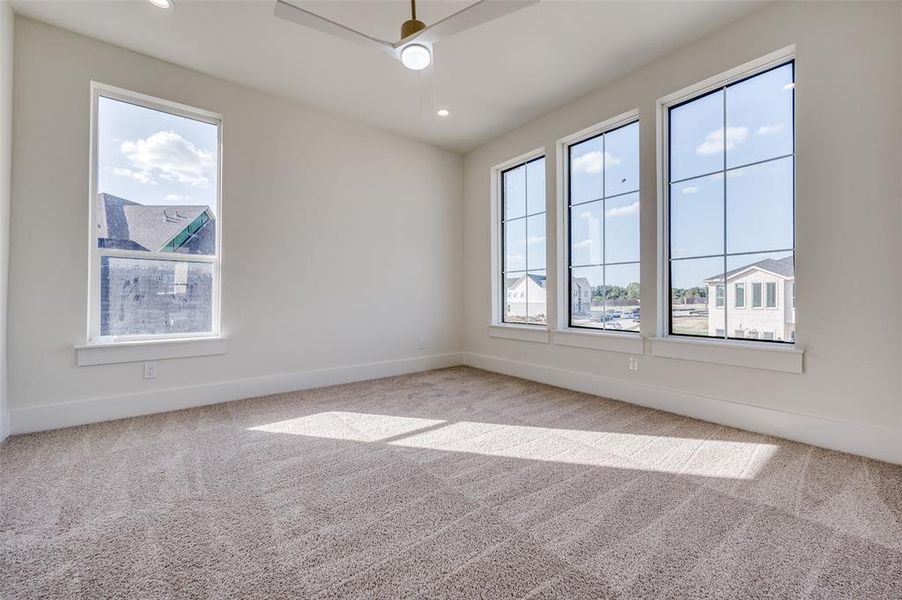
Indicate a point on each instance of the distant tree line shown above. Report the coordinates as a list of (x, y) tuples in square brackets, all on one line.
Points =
[(616, 292), (693, 295)]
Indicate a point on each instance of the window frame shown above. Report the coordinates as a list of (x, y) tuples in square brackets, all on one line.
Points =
[(563, 262), (499, 292), (711, 85), (736, 287), (95, 253)]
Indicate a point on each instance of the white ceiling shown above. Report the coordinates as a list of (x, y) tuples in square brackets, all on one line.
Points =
[(493, 77)]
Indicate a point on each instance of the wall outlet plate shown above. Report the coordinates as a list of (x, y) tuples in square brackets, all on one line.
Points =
[(150, 370)]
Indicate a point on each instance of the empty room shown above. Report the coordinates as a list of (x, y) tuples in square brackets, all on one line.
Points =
[(589, 299)]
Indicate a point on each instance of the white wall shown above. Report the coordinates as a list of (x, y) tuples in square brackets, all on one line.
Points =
[(316, 211), (6, 109), (849, 235)]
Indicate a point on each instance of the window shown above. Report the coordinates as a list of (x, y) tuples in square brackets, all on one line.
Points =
[(756, 295), (523, 243), (719, 301), (771, 295), (603, 227), (730, 201), (155, 219)]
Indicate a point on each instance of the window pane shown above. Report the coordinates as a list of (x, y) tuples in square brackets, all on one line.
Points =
[(739, 292), (515, 245), (696, 217), (771, 295), (760, 109), (760, 207), (586, 234), (586, 302), (515, 286), (692, 283), (144, 297), (697, 137), (766, 276), (535, 297), (535, 186), (586, 171), (515, 193), (622, 229), (622, 297), (156, 180), (621, 169), (535, 242)]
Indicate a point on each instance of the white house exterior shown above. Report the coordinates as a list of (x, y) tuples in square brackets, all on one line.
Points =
[(580, 296), (526, 299), (760, 300)]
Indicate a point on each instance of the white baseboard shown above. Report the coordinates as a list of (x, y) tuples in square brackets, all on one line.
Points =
[(873, 442), (80, 412)]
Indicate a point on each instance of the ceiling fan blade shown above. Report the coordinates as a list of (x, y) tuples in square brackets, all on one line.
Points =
[(290, 12), (473, 15)]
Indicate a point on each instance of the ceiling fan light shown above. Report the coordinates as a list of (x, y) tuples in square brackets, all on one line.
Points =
[(162, 3), (416, 57)]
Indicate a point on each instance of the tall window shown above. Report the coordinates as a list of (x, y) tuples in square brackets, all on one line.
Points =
[(523, 242), (604, 230), (155, 210), (731, 207)]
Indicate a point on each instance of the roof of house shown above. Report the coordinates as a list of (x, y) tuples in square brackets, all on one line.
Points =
[(783, 267), (143, 226), (512, 281)]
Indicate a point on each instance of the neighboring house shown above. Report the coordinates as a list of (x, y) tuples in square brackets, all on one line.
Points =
[(139, 295), (127, 225), (760, 297), (580, 296), (520, 290)]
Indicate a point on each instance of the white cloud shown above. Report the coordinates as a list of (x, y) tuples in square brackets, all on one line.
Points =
[(594, 162), (139, 176), (177, 198), (535, 239), (167, 155), (714, 141), (586, 214), (583, 244), (770, 129), (630, 210), (690, 190)]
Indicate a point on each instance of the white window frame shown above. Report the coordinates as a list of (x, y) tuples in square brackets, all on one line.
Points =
[(95, 253), (663, 125), (760, 304), (497, 326), (563, 225), (777, 356), (776, 305), (736, 288)]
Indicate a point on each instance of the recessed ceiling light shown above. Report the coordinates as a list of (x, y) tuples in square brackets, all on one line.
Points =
[(416, 57), (443, 112), (162, 3)]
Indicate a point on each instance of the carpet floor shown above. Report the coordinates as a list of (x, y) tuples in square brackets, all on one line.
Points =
[(455, 483)]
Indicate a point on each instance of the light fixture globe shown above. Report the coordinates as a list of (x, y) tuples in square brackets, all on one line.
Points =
[(416, 57)]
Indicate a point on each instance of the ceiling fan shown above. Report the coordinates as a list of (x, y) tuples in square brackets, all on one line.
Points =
[(414, 49)]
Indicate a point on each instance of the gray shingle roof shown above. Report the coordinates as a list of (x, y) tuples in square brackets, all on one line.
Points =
[(783, 267), (139, 226)]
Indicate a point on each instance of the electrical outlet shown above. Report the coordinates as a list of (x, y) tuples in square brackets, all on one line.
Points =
[(634, 363), (422, 344), (150, 370)]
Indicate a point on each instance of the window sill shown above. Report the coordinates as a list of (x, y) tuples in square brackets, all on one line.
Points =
[(754, 355), (122, 352), (610, 341), (524, 333)]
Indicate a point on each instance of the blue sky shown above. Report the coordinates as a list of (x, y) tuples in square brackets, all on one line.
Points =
[(759, 215), (152, 157)]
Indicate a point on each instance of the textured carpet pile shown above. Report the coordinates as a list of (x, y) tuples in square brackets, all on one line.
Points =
[(452, 483)]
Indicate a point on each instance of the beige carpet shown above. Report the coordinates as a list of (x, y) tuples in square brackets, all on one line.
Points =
[(453, 483)]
